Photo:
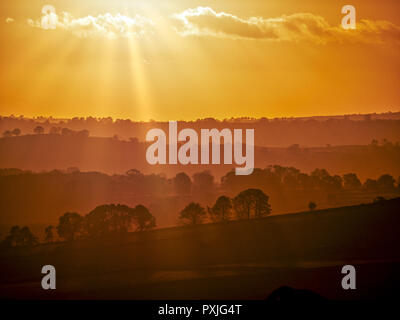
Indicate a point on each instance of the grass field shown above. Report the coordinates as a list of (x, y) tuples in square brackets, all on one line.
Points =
[(234, 260)]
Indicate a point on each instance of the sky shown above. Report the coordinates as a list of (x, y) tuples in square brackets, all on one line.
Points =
[(187, 59)]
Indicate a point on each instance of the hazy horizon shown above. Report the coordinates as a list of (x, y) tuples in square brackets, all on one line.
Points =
[(392, 114)]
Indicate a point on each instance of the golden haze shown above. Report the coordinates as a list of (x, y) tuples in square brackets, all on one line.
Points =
[(158, 73)]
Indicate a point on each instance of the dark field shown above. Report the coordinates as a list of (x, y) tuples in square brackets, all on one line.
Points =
[(235, 260)]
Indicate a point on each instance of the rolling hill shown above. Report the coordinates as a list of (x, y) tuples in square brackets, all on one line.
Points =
[(239, 259)]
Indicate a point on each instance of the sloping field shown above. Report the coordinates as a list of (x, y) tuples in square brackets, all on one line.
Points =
[(239, 259)]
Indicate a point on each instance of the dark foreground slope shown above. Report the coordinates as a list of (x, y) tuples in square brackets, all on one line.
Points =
[(239, 259)]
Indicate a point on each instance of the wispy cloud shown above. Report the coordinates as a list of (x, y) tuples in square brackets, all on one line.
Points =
[(103, 25), (204, 21)]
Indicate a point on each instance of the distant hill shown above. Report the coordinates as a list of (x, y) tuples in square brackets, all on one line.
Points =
[(238, 259), (109, 155), (356, 129)]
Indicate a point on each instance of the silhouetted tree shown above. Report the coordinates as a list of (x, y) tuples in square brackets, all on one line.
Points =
[(182, 184), (105, 219), (370, 185), (320, 174), (312, 205), (143, 219), (11, 172), (385, 181), (203, 182), (28, 239), (242, 204), (70, 226), (55, 130), (251, 200), (16, 132), (49, 236), (7, 133), (118, 217), (97, 222), (83, 133), (322, 179), (374, 143), (305, 182), (288, 176), (38, 130), (20, 237), (13, 239), (378, 199), (111, 218), (134, 173), (351, 181), (66, 132), (71, 170), (221, 209), (193, 213), (333, 183)]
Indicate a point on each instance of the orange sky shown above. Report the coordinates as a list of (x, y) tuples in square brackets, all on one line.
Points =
[(169, 60)]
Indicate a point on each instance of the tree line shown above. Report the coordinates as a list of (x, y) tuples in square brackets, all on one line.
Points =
[(118, 219), (291, 179), (46, 193), (104, 220), (250, 203), (274, 176), (335, 130), (53, 130)]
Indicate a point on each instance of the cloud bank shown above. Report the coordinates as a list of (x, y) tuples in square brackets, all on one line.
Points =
[(103, 25), (204, 21)]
